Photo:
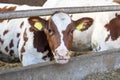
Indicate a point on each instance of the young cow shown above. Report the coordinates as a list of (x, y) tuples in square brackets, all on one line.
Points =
[(103, 34), (36, 40), (106, 33)]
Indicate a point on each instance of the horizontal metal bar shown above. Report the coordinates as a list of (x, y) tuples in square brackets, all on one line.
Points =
[(49, 11)]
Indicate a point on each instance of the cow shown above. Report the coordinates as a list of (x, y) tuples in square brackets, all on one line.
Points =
[(106, 36), (35, 39), (103, 34)]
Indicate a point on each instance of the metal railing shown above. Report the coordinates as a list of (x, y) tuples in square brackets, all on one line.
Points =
[(49, 11)]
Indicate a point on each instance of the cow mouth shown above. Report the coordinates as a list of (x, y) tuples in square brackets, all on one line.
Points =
[(62, 60)]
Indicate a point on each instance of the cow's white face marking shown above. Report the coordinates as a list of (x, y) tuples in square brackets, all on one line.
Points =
[(61, 20)]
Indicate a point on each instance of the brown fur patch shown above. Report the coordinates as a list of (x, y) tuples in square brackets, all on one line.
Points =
[(6, 49), (2, 41), (31, 29), (68, 36), (6, 9), (107, 38), (40, 41), (21, 24), (49, 55), (1, 20), (25, 36), (5, 32), (23, 49), (25, 40), (18, 34), (11, 53), (18, 43), (11, 44), (114, 27), (117, 1)]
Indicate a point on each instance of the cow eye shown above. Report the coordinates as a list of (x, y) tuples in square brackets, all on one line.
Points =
[(50, 31), (71, 31)]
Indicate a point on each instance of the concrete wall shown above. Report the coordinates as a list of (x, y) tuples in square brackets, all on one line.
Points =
[(76, 69)]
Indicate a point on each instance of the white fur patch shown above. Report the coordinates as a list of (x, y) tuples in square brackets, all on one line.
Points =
[(61, 21)]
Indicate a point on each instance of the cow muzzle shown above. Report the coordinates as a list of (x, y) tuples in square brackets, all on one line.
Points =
[(61, 56)]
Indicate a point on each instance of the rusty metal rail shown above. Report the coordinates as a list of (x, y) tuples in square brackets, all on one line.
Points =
[(49, 11)]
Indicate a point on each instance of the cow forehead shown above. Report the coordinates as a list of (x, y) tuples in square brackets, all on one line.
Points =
[(61, 20)]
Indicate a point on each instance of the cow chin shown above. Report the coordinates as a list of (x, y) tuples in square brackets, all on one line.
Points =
[(62, 61)]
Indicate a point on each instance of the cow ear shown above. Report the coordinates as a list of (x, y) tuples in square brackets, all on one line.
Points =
[(83, 23), (37, 23)]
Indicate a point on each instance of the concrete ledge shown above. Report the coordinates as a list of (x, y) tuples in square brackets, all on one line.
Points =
[(76, 69)]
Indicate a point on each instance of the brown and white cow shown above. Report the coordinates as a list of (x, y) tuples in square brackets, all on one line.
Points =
[(36, 40), (103, 34), (107, 35)]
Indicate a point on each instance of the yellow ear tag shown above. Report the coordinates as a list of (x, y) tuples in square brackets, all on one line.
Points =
[(38, 25), (80, 26)]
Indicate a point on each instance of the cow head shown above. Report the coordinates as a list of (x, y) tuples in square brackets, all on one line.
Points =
[(59, 30)]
